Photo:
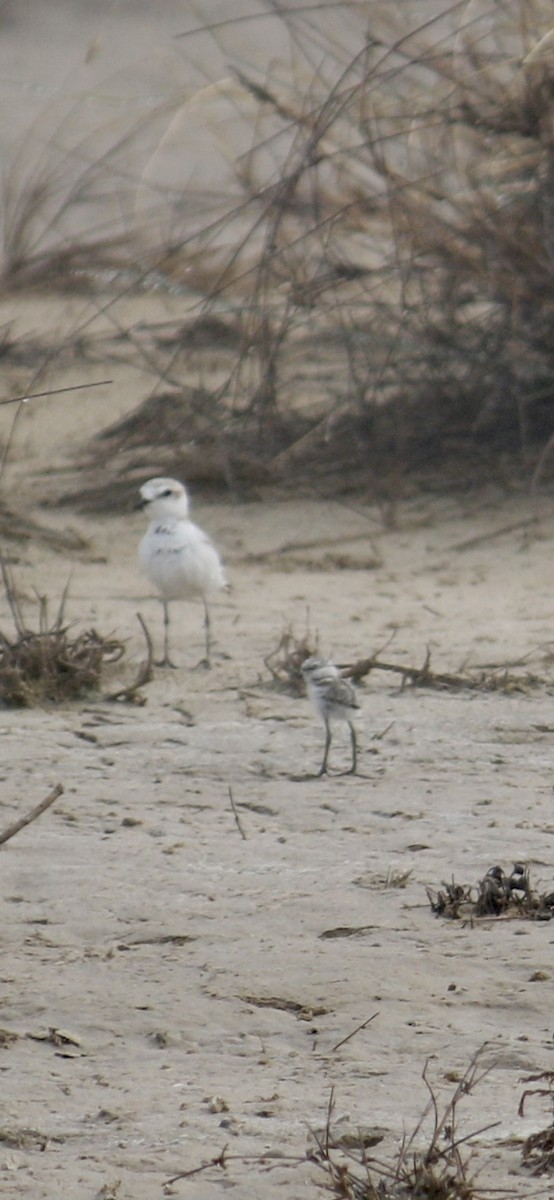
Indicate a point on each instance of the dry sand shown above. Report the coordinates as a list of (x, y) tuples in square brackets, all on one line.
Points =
[(207, 977)]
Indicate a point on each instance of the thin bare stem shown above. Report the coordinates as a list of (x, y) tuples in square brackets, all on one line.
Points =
[(11, 830)]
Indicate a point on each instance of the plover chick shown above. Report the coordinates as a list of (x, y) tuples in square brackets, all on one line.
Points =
[(334, 699), (177, 556)]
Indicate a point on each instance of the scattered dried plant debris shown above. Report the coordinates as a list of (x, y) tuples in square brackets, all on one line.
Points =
[(284, 663), (498, 894), (53, 666), (23, 1138), (439, 1171), (10, 831), (131, 694), (303, 1012), (538, 1149), (49, 664), (494, 679), (346, 931)]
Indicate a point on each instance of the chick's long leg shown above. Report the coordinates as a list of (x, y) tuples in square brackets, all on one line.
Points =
[(353, 743), (323, 767)]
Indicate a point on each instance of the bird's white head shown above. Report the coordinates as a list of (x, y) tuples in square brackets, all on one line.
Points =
[(162, 498)]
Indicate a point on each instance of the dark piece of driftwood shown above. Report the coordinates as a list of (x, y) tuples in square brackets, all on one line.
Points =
[(32, 816)]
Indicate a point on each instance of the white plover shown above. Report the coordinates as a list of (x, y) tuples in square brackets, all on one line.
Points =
[(176, 554)]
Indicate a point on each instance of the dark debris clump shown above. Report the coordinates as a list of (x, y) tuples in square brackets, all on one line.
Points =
[(497, 894), (52, 666)]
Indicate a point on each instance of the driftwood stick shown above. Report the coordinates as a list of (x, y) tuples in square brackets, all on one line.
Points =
[(363, 1025), (236, 815), (423, 676), (413, 675), (32, 816), (144, 674), (469, 543)]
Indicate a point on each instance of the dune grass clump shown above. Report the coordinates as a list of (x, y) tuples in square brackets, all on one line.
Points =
[(51, 663)]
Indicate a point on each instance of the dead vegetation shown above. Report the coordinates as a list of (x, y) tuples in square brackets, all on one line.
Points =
[(498, 894), (51, 663), (28, 818), (373, 275), (431, 1164), (538, 1148), (284, 662), (481, 679), (414, 252)]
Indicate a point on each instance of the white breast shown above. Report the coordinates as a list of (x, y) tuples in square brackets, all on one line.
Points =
[(180, 560)]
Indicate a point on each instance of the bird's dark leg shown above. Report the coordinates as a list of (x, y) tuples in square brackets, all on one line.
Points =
[(166, 661), (352, 770), (208, 631), (206, 661), (323, 767)]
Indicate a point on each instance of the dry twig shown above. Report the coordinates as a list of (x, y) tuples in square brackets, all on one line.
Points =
[(499, 679), (130, 694), (31, 816), (358, 1029), (236, 815)]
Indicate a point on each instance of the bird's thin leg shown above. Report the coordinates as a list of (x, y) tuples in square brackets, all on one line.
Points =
[(323, 767), (208, 631), (166, 661), (353, 743), (206, 661)]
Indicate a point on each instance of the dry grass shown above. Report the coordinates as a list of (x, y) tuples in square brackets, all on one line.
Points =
[(432, 1163), (284, 662), (407, 227), (49, 664), (374, 271), (403, 240)]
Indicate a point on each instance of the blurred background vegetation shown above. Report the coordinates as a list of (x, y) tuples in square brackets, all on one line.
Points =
[(352, 216)]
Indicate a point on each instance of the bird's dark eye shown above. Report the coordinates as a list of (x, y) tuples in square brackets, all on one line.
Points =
[(167, 492)]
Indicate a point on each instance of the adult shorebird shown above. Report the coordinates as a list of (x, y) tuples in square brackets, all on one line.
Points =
[(177, 555), (334, 699)]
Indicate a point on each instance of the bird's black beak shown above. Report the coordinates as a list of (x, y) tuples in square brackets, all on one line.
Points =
[(141, 503)]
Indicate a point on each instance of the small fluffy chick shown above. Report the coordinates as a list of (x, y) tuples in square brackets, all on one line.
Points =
[(177, 556), (334, 699)]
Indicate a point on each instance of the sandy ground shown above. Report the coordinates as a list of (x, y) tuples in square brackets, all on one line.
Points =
[(207, 977)]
